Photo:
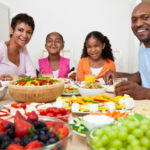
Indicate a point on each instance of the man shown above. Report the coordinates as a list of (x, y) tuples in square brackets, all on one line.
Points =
[(138, 84)]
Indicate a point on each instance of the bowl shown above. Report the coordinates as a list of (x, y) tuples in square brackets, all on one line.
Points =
[(45, 93), (62, 144), (92, 121), (3, 91), (57, 132), (91, 92)]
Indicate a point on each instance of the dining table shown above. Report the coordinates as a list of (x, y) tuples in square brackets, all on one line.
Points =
[(77, 141)]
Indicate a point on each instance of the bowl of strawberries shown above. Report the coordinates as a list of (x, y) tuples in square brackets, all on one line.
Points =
[(58, 113), (33, 132)]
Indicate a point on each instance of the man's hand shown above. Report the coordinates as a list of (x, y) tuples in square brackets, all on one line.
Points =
[(130, 88), (109, 76)]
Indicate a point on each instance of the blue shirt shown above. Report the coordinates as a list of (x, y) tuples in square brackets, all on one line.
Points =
[(144, 65)]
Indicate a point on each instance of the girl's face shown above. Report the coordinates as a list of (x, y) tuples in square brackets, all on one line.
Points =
[(94, 48), (54, 44), (21, 34)]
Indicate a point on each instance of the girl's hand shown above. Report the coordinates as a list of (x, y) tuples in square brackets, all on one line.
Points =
[(72, 75), (6, 77)]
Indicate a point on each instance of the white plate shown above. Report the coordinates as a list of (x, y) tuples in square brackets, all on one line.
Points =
[(70, 94), (76, 132)]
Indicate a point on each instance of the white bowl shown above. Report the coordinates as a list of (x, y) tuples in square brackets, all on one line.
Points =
[(92, 121), (91, 92), (3, 91)]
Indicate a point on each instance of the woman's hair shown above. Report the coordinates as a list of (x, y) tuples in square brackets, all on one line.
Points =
[(106, 52), (63, 42), (22, 17)]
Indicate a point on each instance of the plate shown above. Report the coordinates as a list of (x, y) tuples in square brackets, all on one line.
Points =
[(76, 132), (70, 88)]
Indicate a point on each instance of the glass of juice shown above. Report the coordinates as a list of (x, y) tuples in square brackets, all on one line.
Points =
[(89, 78), (118, 80)]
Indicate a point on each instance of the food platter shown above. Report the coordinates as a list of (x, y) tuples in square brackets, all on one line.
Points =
[(99, 103)]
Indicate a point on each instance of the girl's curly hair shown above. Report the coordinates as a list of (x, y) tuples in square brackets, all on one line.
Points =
[(107, 51)]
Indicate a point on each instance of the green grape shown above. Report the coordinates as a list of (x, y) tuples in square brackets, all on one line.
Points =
[(116, 143), (129, 147), (135, 142), (145, 121), (148, 134), (144, 127), (95, 140), (114, 127), (102, 148), (98, 133), (143, 148), (138, 133), (105, 139), (131, 118), (122, 135), (107, 129), (137, 123), (112, 134), (123, 128), (112, 148), (99, 144), (137, 148), (130, 138), (145, 142), (122, 148), (131, 126)]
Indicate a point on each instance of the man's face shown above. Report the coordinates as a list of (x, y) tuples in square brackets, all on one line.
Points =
[(141, 22)]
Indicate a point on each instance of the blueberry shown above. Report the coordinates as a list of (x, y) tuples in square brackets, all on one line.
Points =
[(35, 137), (43, 138), (50, 134), (11, 133), (25, 140), (42, 132), (52, 140), (5, 144), (10, 126), (30, 121), (1, 137), (39, 124)]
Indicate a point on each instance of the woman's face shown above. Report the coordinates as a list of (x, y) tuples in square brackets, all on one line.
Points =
[(22, 34), (94, 48), (54, 44)]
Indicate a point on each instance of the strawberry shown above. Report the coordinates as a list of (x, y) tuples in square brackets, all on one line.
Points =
[(32, 116), (15, 147), (63, 131), (22, 127), (33, 145), (4, 123), (19, 116)]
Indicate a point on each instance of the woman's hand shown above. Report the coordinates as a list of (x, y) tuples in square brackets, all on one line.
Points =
[(109, 76), (6, 77), (130, 88)]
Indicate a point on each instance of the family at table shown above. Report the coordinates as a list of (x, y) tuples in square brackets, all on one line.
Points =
[(96, 58)]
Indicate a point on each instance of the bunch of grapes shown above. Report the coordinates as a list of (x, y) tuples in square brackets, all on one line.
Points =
[(129, 134)]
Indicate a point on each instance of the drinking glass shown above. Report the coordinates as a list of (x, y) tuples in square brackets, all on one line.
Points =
[(118, 80)]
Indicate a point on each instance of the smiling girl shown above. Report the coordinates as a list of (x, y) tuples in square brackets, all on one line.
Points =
[(14, 57), (55, 64), (96, 58)]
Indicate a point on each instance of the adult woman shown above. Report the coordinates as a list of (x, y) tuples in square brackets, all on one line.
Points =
[(14, 58)]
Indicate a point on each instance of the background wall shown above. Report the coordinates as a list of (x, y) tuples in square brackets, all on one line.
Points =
[(74, 19)]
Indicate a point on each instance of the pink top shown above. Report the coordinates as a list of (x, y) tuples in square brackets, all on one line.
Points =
[(7, 67), (64, 67)]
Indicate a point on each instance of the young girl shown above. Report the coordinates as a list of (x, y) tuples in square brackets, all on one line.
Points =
[(55, 64), (14, 57), (96, 58)]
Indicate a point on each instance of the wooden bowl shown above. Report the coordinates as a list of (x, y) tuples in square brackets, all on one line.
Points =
[(46, 93)]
